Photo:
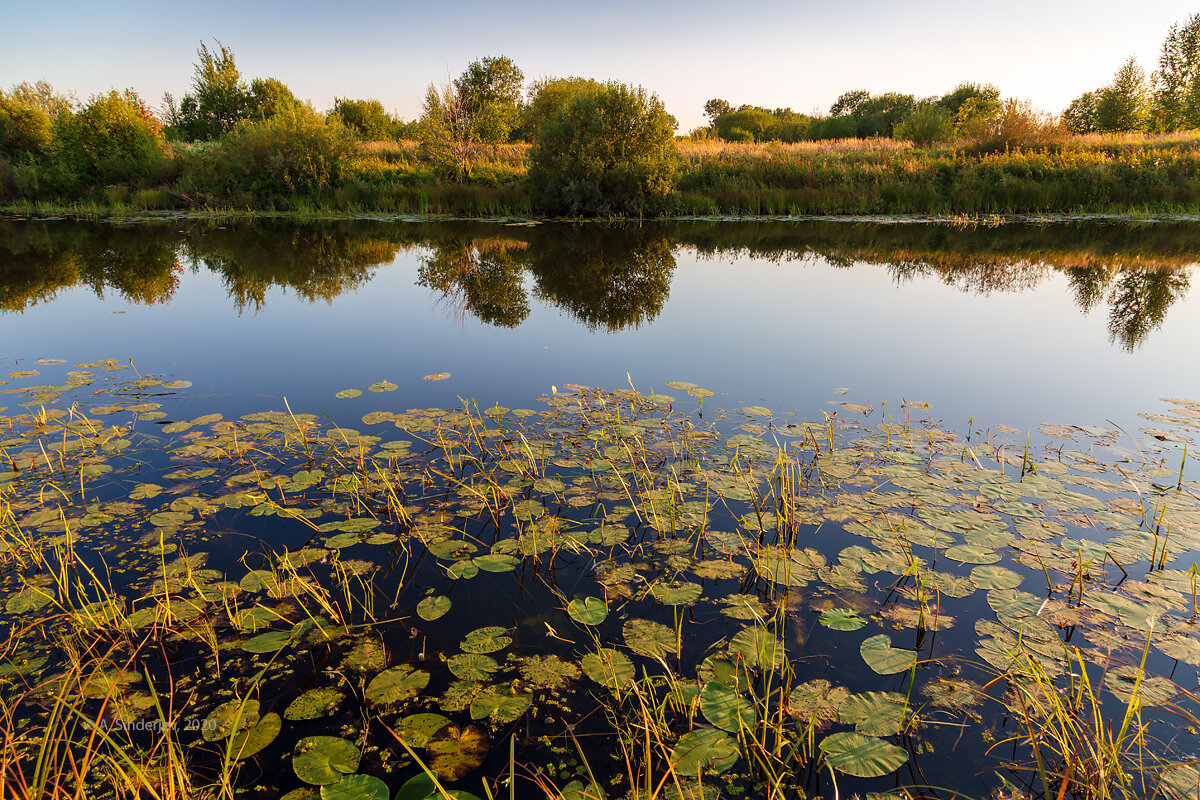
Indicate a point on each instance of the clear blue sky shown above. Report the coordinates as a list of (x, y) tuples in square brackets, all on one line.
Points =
[(801, 54)]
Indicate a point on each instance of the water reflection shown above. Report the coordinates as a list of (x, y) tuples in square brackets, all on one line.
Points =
[(607, 278)]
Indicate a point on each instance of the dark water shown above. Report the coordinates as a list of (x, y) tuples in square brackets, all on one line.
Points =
[(1017, 325)]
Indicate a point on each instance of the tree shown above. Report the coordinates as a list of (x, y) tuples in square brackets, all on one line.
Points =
[(113, 138), (1177, 80), (490, 90), (928, 123), (954, 100), (219, 97), (1123, 104), (610, 151), (444, 130), (715, 109), (366, 119), (848, 103), (27, 115), (268, 97), (548, 96), (1080, 115)]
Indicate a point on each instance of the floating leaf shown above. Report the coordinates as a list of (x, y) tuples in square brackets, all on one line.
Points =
[(992, 577), (816, 703), (268, 642), (418, 729), (675, 594), (396, 684), (724, 707), (885, 659), (31, 598), (500, 706), (382, 386), (457, 751), (862, 756), (314, 704), (324, 760), (356, 787), (842, 619), (649, 639), (472, 666), (486, 640), (228, 718), (609, 668), (701, 750), (874, 713), (251, 741), (497, 562), (346, 394), (548, 672), (432, 608), (587, 610), (437, 376)]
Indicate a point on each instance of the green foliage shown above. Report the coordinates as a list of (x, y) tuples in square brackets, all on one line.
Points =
[(272, 162), (754, 124), (366, 119), (986, 95), (1080, 115), (27, 114), (113, 138), (219, 98), (873, 115), (1176, 84), (490, 90), (1124, 104), (833, 127), (268, 97), (444, 131), (715, 109), (549, 96), (608, 152), (928, 123)]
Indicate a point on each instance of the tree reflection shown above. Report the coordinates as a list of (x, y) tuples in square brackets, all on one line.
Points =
[(318, 262), (610, 278), (484, 277), (37, 261), (1139, 301)]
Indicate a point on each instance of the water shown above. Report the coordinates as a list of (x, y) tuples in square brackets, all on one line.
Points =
[(1001, 329)]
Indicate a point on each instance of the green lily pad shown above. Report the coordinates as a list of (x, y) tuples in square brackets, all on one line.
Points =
[(701, 750), (885, 659), (758, 647), (500, 706), (29, 599), (367, 655), (874, 713), (382, 386), (324, 760), (251, 741), (314, 704), (609, 668), (418, 729), (269, 642), (587, 610), (486, 640), (346, 394), (992, 577), (228, 718), (650, 639), (1152, 690), (396, 684), (497, 562), (724, 707), (356, 787), (816, 703), (842, 619), (862, 756), (676, 594), (432, 608), (472, 666), (548, 672)]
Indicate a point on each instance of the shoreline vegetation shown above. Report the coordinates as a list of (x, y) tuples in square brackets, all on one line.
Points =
[(1094, 174), (488, 143)]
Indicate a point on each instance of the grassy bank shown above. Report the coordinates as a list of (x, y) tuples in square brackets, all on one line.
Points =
[(1085, 174)]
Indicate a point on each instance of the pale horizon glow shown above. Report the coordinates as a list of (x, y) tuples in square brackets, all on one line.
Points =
[(774, 54)]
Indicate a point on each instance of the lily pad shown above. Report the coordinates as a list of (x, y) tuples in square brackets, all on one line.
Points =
[(650, 639), (724, 707), (486, 640), (356, 787), (346, 394), (587, 610), (862, 756), (324, 760), (472, 666), (418, 729), (432, 608), (269, 642), (382, 386), (251, 741), (396, 684), (314, 704), (885, 659), (874, 713), (842, 619), (701, 750), (455, 751), (609, 668)]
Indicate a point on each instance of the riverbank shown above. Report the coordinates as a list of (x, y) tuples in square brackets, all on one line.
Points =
[(1129, 175)]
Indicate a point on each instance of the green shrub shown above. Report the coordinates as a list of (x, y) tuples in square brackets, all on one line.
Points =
[(291, 156), (928, 123), (113, 139), (609, 151), (366, 119)]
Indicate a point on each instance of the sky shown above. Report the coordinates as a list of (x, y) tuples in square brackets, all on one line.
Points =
[(800, 54)]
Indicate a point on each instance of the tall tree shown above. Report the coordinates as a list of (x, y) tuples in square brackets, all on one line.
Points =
[(1177, 79), (219, 97), (491, 96), (1123, 104), (714, 109)]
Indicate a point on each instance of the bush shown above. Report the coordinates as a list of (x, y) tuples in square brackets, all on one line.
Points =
[(296, 155), (366, 119), (113, 139), (25, 129), (1017, 125), (927, 124), (609, 151)]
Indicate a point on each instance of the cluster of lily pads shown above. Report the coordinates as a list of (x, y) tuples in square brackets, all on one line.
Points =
[(620, 596)]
